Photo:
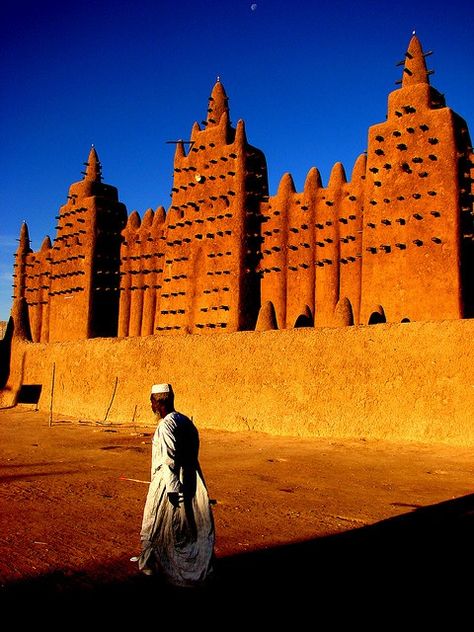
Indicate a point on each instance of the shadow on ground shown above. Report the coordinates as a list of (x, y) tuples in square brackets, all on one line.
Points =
[(416, 559)]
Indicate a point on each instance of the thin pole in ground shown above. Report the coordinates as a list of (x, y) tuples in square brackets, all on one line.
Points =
[(111, 401), (53, 374)]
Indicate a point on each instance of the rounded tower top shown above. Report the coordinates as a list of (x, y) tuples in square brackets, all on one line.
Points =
[(218, 104), (415, 70), (24, 245), (93, 171)]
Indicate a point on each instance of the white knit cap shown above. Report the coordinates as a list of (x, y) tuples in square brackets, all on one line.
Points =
[(161, 388)]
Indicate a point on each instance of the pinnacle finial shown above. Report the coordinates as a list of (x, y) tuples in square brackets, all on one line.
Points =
[(93, 167), (218, 104), (24, 240), (414, 70)]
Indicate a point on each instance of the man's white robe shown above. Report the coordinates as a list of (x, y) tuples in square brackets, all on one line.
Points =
[(177, 541)]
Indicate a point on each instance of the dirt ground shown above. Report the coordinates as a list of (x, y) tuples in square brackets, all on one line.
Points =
[(301, 520)]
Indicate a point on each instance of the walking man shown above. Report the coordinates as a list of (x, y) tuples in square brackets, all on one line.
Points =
[(178, 529)]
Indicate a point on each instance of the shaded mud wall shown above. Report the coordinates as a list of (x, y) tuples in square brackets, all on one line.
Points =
[(410, 381)]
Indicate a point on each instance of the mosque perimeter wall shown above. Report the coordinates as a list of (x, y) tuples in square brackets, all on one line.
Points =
[(410, 381)]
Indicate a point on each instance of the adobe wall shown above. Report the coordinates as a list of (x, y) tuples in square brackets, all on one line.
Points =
[(193, 269), (311, 248), (410, 381)]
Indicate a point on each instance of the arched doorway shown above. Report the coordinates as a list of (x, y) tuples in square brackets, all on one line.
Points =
[(305, 319), (377, 316)]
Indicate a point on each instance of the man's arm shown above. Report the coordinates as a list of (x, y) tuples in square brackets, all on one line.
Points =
[(170, 465)]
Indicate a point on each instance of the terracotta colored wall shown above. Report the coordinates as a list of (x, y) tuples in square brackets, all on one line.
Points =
[(71, 286), (311, 249), (395, 242), (196, 272), (396, 381), (412, 258)]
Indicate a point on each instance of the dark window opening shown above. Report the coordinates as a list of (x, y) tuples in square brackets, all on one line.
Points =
[(377, 317), (29, 394)]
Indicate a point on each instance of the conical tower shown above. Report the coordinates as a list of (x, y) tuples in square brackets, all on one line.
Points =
[(218, 104), (93, 172)]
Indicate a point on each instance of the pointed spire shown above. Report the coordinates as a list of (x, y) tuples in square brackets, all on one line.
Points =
[(414, 70), (179, 153), (133, 221), (286, 186), (46, 245), (218, 104), (312, 182), (360, 167), (147, 220), (93, 167), (240, 135), (24, 245), (160, 216), (267, 319), (338, 176), (21, 321), (343, 314), (195, 131)]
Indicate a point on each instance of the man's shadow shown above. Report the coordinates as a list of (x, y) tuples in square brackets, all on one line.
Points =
[(428, 548)]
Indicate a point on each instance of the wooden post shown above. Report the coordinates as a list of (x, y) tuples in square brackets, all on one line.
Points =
[(112, 400), (53, 373)]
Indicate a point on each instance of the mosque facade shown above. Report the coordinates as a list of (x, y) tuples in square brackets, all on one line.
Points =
[(392, 243)]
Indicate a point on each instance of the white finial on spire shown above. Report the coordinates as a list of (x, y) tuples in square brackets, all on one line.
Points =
[(414, 32), (218, 79)]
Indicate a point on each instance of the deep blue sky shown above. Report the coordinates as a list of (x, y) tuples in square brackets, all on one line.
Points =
[(308, 78)]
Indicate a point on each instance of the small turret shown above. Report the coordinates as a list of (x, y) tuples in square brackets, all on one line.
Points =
[(21, 321), (286, 188), (312, 182), (134, 221), (24, 245), (160, 216), (337, 177), (46, 245), (267, 319), (240, 135), (360, 167), (195, 131), (147, 220), (179, 153)]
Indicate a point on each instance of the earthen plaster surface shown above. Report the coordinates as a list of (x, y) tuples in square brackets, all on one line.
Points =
[(407, 381)]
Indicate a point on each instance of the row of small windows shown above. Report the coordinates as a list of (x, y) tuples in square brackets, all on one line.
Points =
[(397, 133), (404, 147)]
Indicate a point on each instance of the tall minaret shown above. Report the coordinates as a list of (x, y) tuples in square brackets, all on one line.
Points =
[(21, 325), (20, 262), (85, 259), (412, 258), (210, 281)]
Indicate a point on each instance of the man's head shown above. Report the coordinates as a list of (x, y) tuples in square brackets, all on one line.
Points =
[(162, 399)]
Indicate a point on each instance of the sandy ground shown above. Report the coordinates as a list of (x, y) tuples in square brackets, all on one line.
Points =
[(308, 523)]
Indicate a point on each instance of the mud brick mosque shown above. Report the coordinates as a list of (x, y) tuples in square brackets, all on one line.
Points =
[(392, 243)]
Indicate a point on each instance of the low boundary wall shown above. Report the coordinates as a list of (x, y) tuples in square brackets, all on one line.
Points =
[(410, 381)]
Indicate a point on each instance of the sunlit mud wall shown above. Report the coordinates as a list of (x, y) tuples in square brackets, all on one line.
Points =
[(406, 381)]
